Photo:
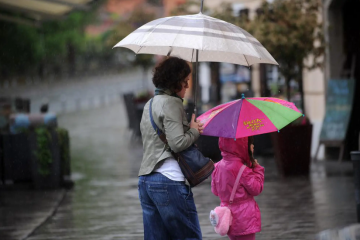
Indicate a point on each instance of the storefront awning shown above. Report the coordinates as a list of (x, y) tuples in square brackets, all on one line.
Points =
[(39, 10)]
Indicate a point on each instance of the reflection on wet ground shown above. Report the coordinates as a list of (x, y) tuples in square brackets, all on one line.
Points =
[(104, 202)]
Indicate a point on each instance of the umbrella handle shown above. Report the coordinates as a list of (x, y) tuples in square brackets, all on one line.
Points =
[(196, 81)]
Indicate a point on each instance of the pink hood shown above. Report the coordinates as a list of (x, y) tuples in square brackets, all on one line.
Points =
[(245, 211), (235, 149)]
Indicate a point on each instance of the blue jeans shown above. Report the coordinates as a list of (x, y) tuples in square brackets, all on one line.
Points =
[(169, 210)]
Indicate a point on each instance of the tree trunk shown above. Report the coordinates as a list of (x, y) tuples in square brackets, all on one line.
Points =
[(41, 69), (288, 95), (264, 90), (301, 89), (71, 59)]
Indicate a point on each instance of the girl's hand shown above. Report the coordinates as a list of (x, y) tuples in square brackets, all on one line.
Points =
[(196, 124), (255, 163)]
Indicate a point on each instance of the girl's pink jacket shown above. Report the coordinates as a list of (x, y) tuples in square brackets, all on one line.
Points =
[(245, 211)]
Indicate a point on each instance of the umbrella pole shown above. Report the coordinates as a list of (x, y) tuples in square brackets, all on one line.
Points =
[(196, 81), (196, 70)]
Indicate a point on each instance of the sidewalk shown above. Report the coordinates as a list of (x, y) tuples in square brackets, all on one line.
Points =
[(104, 202)]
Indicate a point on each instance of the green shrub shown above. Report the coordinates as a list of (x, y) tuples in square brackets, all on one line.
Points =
[(43, 151), (64, 145)]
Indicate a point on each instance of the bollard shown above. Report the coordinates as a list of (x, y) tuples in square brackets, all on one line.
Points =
[(355, 158)]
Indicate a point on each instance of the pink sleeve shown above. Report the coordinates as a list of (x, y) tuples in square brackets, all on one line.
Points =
[(213, 183), (253, 180)]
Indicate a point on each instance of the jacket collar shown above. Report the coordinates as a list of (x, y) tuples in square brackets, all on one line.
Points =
[(162, 91)]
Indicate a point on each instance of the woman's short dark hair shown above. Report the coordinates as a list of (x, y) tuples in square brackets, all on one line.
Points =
[(170, 73)]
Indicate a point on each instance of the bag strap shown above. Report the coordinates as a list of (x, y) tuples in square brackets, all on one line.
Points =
[(236, 183), (161, 135)]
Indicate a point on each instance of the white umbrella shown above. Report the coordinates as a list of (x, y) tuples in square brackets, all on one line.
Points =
[(197, 38)]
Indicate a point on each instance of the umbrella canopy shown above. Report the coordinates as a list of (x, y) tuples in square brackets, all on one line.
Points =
[(248, 117), (215, 40)]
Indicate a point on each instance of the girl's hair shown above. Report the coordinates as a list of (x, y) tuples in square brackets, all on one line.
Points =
[(171, 73), (251, 156)]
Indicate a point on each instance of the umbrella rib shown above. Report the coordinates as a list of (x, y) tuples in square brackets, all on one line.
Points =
[(139, 49), (242, 31), (246, 60), (238, 117), (230, 30)]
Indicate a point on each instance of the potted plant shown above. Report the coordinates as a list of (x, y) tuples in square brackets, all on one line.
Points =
[(64, 146), (292, 148), (45, 158)]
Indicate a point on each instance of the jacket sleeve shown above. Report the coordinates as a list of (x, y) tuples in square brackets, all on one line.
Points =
[(213, 183), (178, 140), (254, 180)]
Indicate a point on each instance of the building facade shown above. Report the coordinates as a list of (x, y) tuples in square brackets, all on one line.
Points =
[(342, 37)]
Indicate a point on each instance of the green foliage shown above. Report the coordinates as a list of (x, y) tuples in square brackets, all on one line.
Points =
[(20, 47), (64, 145), (138, 18), (189, 7), (24, 47), (43, 151), (225, 12), (289, 30), (59, 34)]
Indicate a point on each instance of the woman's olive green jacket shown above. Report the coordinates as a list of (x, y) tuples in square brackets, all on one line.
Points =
[(169, 115)]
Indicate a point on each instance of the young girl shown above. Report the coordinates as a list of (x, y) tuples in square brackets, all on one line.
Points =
[(245, 211)]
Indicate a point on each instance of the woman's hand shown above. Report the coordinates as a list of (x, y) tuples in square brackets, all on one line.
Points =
[(196, 124), (255, 163)]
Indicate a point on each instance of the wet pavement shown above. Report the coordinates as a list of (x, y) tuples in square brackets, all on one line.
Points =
[(104, 202)]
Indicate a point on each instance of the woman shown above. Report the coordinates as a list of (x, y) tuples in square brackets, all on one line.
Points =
[(168, 206)]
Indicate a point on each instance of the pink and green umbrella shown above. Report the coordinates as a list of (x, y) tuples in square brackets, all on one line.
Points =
[(248, 116)]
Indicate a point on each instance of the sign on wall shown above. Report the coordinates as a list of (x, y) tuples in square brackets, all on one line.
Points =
[(340, 93)]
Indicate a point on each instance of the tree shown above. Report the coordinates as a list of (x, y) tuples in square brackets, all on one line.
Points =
[(187, 8), (25, 47), (64, 38), (291, 31)]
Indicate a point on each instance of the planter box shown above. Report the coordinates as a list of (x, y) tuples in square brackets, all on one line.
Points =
[(64, 145), (292, 148), (16, 158), (54, 179)]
